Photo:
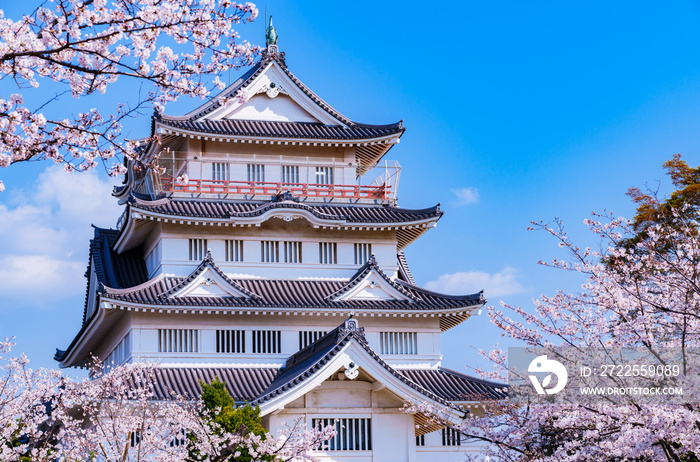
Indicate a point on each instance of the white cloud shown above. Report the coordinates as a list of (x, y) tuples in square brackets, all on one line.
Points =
[(494, 285), (44, 234), (467, 195)]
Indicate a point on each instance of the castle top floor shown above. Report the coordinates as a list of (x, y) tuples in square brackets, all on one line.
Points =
[(266, 134)]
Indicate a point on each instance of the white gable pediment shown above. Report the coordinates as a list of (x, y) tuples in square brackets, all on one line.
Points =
[(372, 287), (281, 108), (209, 284), (273, 96)]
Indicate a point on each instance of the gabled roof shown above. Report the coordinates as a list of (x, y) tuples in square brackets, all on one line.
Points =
[(304, 364), (346, 348), (208, 264), (207, 118), (294, 294), (349, 292)]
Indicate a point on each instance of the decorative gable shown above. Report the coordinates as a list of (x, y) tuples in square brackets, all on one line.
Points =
[(373, 287), (278, 108), (209, 283), (272, 96)]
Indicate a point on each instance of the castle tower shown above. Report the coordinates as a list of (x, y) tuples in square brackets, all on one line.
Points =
[(262, 243)]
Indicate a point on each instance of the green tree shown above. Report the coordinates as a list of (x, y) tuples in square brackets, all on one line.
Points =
[(223, 416)]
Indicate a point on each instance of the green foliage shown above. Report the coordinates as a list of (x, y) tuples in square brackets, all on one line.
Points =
[(231, 418), (221, 413)]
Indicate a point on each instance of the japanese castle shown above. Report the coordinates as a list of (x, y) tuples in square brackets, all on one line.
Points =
[(261, 243)]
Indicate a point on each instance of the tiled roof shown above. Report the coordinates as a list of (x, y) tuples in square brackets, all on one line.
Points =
[(112, 269), (291, 293), (217, 209), (276, 129), (243, 383), (305, 363), (115, 270), (441, 385), (454, 386)]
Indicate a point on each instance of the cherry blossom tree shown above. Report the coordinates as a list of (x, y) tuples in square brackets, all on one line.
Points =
[(113, 417), (174, 46), (641, 292)]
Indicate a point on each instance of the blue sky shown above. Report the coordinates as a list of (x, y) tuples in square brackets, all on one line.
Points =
[(515, 111)]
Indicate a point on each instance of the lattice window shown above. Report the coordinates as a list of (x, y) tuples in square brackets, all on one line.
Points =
[(198, 248), (307, 337), (324, 175), (178, 340), (220, 171), (270, 252), (267, 341), (398, 343), (351, 434), (362, 253), (420, 440), (290, 174), (292, 252), (451, 437), (179, 439), (234, 250), (328, 253), (134, 438), (230, 341), (256, 173)]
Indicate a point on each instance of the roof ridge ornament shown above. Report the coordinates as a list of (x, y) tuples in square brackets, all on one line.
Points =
[(270, 34), (272, 52)]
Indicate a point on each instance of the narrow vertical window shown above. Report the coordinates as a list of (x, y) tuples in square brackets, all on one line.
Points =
[(328, 253), (292, 252), (219, 171), (269, 252), (234, 250), (398, 343), (324, 175), (198, 248), (352, 434), (451, 437), (267, 341), (290, 174), (420, 440), (230, 341), (307, 337), (178, 340), (362, 253), (256, 173)]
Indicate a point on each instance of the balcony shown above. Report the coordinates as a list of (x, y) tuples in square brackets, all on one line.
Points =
[(264, 176)]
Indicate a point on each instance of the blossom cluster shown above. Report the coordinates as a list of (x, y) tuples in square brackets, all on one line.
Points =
[(86, 46), (114, 416), (641, 292)]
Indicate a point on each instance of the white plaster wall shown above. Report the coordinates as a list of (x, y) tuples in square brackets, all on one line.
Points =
[(175, 250), (392, 437), (145, 336)]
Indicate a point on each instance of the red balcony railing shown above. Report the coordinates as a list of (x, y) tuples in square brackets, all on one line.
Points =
[(253, 188)]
